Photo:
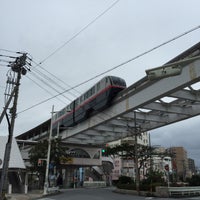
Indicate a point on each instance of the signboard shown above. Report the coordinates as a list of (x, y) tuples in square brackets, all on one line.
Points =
[(66, 160)]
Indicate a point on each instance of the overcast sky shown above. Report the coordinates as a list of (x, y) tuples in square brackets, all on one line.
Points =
[(94, 36)]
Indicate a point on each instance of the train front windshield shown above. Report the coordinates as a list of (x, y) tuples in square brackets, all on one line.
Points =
[(118, 81)]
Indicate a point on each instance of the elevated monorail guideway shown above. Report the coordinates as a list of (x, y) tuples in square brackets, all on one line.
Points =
[(148, 104)]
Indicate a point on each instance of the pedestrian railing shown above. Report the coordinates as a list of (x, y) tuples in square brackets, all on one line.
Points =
[(184, 191), (94, 184)]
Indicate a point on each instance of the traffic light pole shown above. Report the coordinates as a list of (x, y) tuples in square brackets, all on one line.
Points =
[(17, 67)]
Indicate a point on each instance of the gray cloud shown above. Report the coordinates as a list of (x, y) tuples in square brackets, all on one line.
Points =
[(128, 29)]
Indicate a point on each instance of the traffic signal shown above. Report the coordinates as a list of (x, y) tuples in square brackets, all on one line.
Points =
[(103, 152), (167, 167), (40, 162)]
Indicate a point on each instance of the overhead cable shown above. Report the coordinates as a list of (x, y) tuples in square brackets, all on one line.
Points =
[(55, 82), (115, 67), (49, 85), (79, 32), (44, 89)]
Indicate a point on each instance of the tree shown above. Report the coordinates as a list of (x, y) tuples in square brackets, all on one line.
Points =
[(127, 151), (153, 179), (38, 155), (137, 152)]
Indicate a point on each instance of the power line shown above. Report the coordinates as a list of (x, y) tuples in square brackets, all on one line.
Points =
[(48, 84), (42, 76), (7, 58), (58, 79), (2, 60), (146, 52), (39, 72), (10, 51), (78, 33), (115, 67), (62, 46), (2, 55), (45, 89)]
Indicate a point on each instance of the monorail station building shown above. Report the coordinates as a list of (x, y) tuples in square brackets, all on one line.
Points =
[(74, 170), (17, 168)]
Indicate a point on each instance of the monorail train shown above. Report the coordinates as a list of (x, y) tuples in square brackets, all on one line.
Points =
[(95, 99)]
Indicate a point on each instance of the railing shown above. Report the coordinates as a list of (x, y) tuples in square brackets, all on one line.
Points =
[(94, 184), (178, 191), (183, 191)]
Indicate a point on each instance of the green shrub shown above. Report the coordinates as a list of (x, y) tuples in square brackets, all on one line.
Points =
[(194, 180), (126, 186), (125, 180)]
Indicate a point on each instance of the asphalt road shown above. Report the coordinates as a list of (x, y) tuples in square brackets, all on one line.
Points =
[(99, 194)]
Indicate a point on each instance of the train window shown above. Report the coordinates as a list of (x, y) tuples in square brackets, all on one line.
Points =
[(115, 81), (68, 108), (88, 93), (60, 113), (76, 102), (118, 81), (81, 99), (93, 90), (106, 79), (98, 86)]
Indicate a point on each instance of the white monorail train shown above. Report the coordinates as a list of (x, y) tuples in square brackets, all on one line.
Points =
[(95, 99)]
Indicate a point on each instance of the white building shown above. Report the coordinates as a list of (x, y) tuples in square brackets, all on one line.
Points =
[(126, 167), (157, 161)]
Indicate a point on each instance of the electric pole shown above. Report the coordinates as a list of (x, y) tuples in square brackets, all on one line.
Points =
[(137, 175), (18, 67)]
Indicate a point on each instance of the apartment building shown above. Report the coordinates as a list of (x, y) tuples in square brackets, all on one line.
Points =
[(191, 166), (180, 162)]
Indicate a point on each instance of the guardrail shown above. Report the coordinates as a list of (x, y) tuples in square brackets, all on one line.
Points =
[(94, 184), (178, 191), (183, 191), (53, 190)]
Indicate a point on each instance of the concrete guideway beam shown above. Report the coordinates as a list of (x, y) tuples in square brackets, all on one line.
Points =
[(116, 118)]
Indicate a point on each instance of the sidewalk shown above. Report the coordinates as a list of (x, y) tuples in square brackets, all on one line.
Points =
[(35, 194), (31, 195)]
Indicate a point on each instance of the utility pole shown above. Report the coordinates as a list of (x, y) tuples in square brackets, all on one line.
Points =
[(135, 133), (137, 178), (17, 67), (46, 184)]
